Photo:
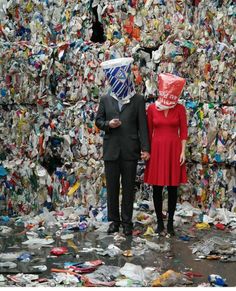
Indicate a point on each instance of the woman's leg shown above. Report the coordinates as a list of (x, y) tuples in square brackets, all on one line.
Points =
[(172, 200), (157, 200)]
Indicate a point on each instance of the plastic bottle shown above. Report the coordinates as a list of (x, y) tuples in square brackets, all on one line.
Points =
[(216, 280)]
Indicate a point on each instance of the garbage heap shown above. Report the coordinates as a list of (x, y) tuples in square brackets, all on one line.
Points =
[(51, 82)]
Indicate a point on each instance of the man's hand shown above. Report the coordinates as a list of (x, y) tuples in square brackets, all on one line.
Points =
[(114, 123), (145, 156), (182, 159)]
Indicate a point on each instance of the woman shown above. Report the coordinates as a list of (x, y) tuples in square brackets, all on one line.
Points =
[(167, 126)]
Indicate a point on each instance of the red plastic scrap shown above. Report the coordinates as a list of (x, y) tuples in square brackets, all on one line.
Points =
[(57, 251), (13, 278), (82, 270), (193, 274), (220, 226), (89, 282), (137, 232), (42, 280)]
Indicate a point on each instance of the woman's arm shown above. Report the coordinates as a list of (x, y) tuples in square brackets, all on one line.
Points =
[(182, 155), (183, 133)]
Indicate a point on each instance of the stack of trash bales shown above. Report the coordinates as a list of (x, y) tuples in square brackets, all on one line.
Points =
[(51, 82)]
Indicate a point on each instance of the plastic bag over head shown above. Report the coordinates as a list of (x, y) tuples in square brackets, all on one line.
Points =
[(170, 88), (118, 73)]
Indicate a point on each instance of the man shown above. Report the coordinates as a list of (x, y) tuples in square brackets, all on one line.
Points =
[(121, 114)]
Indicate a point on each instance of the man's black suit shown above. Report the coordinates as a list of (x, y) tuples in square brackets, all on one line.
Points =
[(121, 150)]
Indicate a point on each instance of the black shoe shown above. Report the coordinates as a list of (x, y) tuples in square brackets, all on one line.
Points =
[(128, 229), (113, 227), (160, 227), (170, 228)]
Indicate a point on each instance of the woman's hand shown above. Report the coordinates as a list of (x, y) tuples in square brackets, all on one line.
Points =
[(182, 158), (145, 156)]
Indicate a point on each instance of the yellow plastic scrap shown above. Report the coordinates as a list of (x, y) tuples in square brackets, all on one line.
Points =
[(71, 244), (203, 195), (73, 189), (202, 225), (127, 253), (109, 33), (29, 7), (67, 14), (149, 231), (171, 278), (201, 114), (12, 90), (156, 23), (141, 216), (165, 279)]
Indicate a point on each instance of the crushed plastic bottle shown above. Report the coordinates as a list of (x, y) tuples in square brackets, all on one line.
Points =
[(25, 257), (216, 280)]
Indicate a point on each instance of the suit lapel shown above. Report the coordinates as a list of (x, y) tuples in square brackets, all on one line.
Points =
[(124, 106), (128, 104), (115, 105)]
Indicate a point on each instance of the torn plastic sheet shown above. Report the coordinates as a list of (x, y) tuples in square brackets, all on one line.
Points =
[(105, 273), (111, 251), (215, 245), (38, 241), (134, 272)]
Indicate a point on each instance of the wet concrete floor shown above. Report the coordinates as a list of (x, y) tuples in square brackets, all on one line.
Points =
[(179, 258)]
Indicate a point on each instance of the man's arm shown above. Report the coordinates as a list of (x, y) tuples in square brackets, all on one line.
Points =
[(143, 129), (100, 120)]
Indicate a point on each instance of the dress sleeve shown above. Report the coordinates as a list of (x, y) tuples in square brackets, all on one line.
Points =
[(183, 123), (150, 122)]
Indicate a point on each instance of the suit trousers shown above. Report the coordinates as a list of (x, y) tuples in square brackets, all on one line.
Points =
[(124, 171)]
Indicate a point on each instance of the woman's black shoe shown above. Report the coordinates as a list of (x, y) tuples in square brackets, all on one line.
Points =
[(113, 227), (170, 228)]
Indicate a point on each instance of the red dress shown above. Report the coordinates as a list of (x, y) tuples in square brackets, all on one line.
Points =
[(166, 134)]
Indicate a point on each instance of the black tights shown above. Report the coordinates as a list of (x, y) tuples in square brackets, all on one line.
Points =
[(172, 200)]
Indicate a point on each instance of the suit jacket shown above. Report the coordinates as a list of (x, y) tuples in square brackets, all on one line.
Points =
[(131, 136)]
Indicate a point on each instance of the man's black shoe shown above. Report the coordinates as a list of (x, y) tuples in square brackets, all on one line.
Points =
[(113, 227), (160, 227), (127, 230)]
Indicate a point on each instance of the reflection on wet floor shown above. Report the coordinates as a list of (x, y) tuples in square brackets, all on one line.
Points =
[(93, 258)]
